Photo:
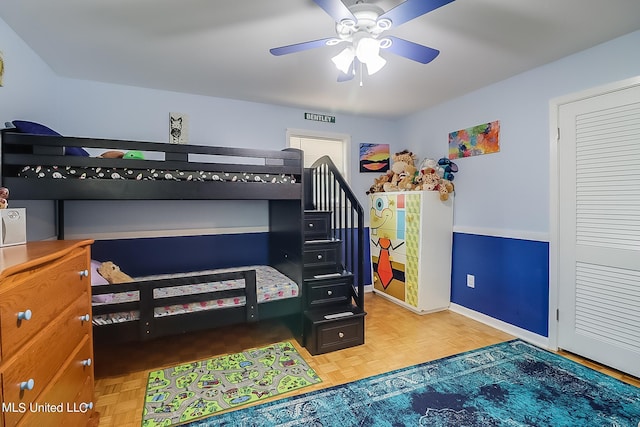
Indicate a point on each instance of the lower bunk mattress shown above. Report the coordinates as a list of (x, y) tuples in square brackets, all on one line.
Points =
[(271, 285)]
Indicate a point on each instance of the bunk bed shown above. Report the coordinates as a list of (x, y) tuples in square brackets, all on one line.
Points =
[(35, 167)]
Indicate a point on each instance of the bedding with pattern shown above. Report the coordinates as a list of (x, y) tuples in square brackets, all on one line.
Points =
[(270, 285), (64, 172)]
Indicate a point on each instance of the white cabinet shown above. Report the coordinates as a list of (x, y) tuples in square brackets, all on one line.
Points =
[(410, 236)]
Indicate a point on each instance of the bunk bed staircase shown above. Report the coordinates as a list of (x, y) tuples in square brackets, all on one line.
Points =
[(333, 271)]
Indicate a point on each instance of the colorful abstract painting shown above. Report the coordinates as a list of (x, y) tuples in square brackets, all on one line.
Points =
[(374, 157), (477, 140)]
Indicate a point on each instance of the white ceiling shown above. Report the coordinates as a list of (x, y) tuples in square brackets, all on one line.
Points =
[(221, 48)]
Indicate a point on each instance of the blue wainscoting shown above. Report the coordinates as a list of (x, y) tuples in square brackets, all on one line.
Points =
[(145, 256), (511, 279)]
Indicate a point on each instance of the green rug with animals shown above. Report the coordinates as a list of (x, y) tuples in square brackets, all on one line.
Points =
[(194, 390)]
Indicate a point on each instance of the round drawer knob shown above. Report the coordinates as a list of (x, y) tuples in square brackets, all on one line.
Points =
[(27, 385), (311, 225), (86, 362), (90, 405), (84, 273), (319, 256), (341, 334), (24, 315), (329, 292), (85, 318)]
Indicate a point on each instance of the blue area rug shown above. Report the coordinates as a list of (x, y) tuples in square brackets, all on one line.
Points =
[(507, 384)]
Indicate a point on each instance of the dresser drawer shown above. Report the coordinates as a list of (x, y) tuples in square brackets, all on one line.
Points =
[(43, 357), (328, 291), (316, 225), (72, 392), (322, 256), (43, 294)]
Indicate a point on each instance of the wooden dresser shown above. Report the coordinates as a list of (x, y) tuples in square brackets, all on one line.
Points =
[(46, 342)]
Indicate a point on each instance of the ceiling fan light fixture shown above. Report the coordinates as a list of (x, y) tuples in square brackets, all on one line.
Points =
[(344, 59), (368, 52), (367, 48), (375, 64)]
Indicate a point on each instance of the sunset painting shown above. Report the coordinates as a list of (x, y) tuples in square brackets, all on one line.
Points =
[(477, 140), (374, 157)]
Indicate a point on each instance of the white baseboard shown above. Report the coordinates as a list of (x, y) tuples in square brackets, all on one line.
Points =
[(523, 334)]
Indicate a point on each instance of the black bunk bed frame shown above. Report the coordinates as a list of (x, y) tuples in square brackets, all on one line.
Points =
[(285, 220)]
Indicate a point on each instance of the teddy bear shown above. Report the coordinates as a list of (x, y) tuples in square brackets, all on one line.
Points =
[(403, 172), (378, 184), (428, 180), (445, 188), (112, 273), (4, 197)]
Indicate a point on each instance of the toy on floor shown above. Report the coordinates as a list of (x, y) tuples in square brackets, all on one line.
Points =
[(112, 273)]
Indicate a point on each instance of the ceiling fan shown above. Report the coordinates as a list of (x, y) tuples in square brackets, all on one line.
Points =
[(362, 28)]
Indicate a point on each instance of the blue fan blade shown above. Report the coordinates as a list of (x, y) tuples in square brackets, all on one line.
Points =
[(293, 48), (411, 9), (411, 50), (344, 77), (336, 9)]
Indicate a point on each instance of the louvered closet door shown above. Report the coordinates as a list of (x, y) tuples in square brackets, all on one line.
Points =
[(599, 236)]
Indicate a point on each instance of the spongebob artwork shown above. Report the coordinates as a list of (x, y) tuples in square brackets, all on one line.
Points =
[(388, 257), (395, 235)]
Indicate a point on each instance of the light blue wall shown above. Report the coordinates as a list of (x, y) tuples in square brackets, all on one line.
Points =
[(101, 110), (506, 195)]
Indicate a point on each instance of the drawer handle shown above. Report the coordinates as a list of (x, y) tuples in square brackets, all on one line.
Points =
[(329, 293), (341, 334), (24, 315), (319, 256), (27, 385), (89, 405), (85, 318), (84, 273), (311, 225), (86, 362)]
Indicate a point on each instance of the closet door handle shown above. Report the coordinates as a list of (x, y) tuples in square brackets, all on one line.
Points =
[(85, 318), (86, 362), (84, 273)]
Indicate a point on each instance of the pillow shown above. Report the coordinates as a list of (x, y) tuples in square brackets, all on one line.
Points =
[(33, 127), (40, 129), (98, 280)]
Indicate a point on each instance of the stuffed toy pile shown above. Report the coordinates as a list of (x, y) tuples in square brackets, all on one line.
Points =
[(405, 176)]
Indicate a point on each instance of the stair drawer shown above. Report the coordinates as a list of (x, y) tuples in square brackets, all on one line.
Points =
[(323, 336), (328, 291), (324, 255), (316, 225)]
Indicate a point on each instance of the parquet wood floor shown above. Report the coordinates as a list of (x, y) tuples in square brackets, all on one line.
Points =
[(394, 338)]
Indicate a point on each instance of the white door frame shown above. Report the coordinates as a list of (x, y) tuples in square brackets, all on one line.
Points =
[(346, 138), (554, 175)]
